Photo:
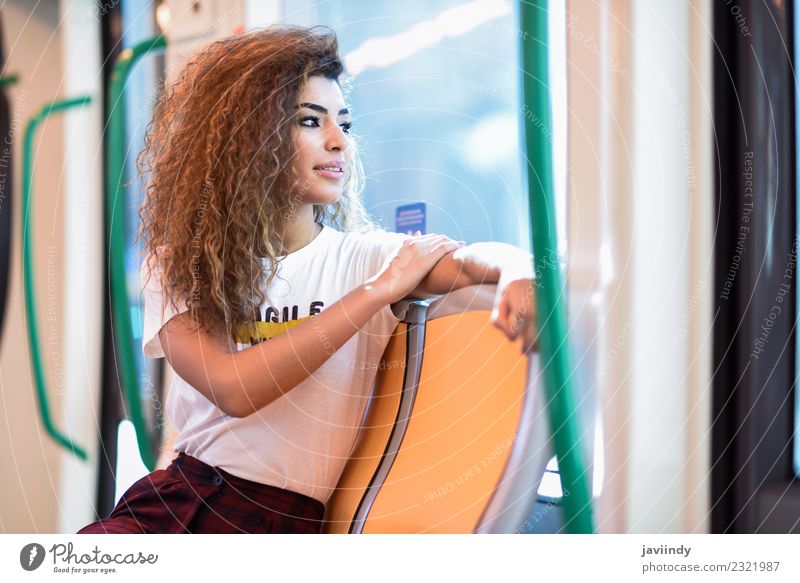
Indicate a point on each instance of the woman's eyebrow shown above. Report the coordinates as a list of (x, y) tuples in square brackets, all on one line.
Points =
[(321, 109)]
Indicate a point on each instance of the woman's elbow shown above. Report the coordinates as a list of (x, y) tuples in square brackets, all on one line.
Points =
[(228, 404), (231, 399), (240, 402), (236, 402), (232, 410)]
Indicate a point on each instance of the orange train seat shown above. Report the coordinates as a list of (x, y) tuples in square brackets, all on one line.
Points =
[(455, 438)]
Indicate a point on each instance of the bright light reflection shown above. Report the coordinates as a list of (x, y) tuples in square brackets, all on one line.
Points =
[(130, 466), (383, 51)]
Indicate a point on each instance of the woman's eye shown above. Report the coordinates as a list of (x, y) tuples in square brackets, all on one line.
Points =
[(313, 122), (309, 122)]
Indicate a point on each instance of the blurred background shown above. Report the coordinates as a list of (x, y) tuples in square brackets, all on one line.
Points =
[(674, 156)]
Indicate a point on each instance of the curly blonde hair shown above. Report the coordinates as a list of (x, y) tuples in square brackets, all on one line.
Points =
[(216, 165)]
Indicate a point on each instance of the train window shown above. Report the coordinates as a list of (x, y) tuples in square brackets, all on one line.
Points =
[(436, 105)]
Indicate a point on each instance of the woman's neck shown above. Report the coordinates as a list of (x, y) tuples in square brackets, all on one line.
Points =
[(298, 234)]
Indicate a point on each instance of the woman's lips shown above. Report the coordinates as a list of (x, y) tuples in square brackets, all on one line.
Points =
[(334, 174)]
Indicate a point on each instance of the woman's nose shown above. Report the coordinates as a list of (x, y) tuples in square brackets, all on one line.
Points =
[(336, 139)]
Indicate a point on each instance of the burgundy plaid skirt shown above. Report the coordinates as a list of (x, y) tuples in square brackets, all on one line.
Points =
[(193, 497)]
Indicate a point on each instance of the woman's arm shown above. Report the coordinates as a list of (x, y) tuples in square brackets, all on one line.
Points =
[(264, 372), (477, 263), (242, 382), (509, 267)]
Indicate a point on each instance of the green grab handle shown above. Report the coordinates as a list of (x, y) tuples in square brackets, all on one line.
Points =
[(551, 310), (117, 232), (27, 269)]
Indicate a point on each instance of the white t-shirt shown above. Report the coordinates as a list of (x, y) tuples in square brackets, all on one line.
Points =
[(302, 440)]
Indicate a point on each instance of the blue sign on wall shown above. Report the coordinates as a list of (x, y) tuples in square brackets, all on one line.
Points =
[(410, 218)]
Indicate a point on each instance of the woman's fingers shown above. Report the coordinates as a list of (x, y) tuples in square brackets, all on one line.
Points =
[(515, 315), (434, 246), (500, 317)]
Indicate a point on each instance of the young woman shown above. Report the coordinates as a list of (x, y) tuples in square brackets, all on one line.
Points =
[(268, 289)]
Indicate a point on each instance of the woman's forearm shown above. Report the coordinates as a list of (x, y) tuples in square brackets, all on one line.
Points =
[(488, 262), (264, 372)]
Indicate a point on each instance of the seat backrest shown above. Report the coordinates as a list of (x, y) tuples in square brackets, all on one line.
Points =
[(454, 440)]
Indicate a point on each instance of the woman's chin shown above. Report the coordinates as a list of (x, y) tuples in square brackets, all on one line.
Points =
[(328, 198)]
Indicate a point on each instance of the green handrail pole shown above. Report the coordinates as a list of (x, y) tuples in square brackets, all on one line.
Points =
[(116, 205), (551, 311), (27, 269)]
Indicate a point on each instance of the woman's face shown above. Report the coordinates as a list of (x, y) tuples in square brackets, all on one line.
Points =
[(321, 142)]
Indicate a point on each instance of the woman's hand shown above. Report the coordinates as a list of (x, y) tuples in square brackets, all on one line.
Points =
[(409, 265), (515, 313)]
